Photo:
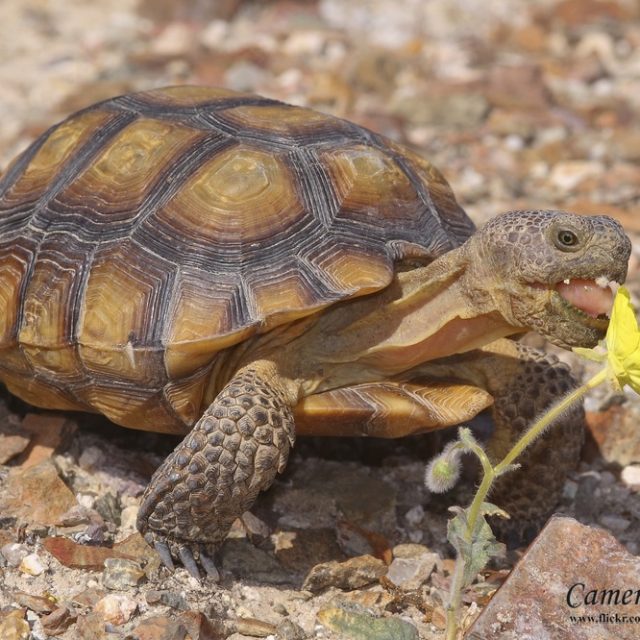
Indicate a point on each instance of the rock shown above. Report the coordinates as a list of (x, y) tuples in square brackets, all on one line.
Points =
[(363, 626), (39, 604), (350, 574), (88, 597), (58, 621), (614, 522), (200, 627), (120, 573), (128, 517), (108, 506), (32, 565), (135, 547), (116, 609), (630, 475), (411, 566), (13, 553), (91, 626), (288, 630), (79, 556), (13, 626), (252, 627), (50, 432), (167, 598), (13, 441), (616, 433), (569, 570), (36, 494), (190, 624)]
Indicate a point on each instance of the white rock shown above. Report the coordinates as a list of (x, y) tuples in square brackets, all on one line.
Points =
[(31, 564), (128, 518), (116, 609), (631, 475)]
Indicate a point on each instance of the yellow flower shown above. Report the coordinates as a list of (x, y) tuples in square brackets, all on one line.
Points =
[(622, 342)]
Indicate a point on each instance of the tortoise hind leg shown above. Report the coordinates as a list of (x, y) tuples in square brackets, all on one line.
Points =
[(389, 409), (213, 476)]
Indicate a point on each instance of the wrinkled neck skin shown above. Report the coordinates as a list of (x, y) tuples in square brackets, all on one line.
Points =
[(427, 313)]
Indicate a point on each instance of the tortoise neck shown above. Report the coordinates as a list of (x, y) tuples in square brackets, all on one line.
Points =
[(427, 313)]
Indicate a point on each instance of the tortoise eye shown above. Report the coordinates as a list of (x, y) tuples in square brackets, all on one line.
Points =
[(566, 238)]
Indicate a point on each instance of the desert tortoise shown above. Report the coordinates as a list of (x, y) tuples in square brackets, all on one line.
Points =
[(221, 265)]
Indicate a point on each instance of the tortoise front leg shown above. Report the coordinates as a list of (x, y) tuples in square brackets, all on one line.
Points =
[(524, 387), (214, 475), (524, 383)]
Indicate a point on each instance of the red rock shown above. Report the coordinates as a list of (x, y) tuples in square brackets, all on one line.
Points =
[(91, 626), (79, 556), (190, 624), (36, 494), (58, 621), (568, 571), (49, 433), (13, 441)]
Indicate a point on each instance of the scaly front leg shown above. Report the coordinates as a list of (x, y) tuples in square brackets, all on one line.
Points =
[(214, 475)]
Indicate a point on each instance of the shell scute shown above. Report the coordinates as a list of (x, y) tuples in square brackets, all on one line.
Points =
[(120, 325)]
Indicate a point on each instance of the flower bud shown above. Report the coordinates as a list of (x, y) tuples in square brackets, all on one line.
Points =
[(444, 470)]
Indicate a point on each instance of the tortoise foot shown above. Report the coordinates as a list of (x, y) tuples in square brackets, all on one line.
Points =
[(193, 557)]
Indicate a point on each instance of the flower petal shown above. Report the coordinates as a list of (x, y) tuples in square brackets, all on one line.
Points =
[(623, 337)]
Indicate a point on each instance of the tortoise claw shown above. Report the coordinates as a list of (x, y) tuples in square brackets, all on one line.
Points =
[(209, 566), (165, 555), (188, 561)]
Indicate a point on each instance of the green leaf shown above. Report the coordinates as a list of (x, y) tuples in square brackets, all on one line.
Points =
[(482, 546)]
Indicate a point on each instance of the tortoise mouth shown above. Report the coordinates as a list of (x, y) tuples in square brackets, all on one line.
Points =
[(589, 301)]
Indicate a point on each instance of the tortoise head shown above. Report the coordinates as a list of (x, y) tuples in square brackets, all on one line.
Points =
[(553, 272)]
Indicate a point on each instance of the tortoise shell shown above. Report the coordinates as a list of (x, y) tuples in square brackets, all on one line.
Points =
[(146, 234)]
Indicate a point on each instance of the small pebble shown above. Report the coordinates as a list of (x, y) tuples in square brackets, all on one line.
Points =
[(614, 522), (120, 573), (13, 553), (116, 609), (631, 476), (128, 518), (31, 564)]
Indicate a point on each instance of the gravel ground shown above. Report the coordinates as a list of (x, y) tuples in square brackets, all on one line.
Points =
[(520, 104)]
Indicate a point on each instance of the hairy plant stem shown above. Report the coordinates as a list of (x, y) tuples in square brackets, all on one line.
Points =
[(490, 473)]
